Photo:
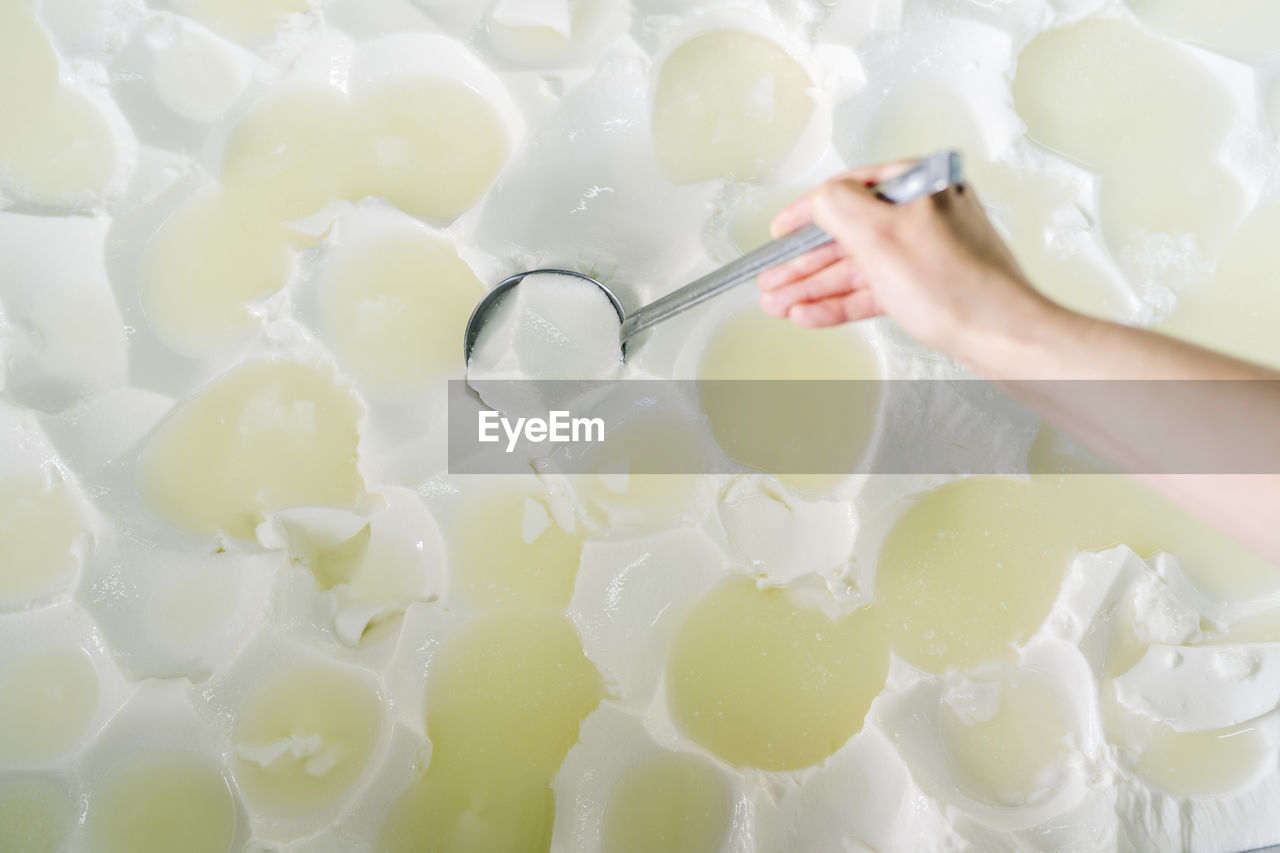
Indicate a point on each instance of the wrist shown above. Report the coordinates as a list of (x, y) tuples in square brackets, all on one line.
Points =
[(1024, 336)]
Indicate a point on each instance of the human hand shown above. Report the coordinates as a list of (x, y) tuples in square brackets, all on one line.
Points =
[(935, 265)]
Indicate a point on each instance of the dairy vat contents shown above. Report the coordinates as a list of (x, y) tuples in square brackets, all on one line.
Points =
[(245, 606)]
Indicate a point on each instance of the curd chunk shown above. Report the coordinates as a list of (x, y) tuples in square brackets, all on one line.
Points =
[(36, 814), (159, 803), (264, 437), (504, 701), (971, 569), (294, 153), (671, 803), (304, 738), (507, 548), (1201, 764), (39, 525), (776, 426), (55, 147), (968, 571), (765, 680), (47, 700), (728, 104), (394, 308), (1246, 28), (430, 146), (436, 146), (1006, 737), (206, 267), (1143, 113), (243, 20)]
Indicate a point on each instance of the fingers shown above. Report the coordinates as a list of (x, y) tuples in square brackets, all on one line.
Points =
[(858, 305), (799, 213), (822, 287), (869, 176), (805, 265), (846, 209), (835, 280), (792, 217)]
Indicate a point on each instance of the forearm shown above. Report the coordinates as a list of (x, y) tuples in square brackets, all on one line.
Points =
[(1033, 338), (1210, 440)]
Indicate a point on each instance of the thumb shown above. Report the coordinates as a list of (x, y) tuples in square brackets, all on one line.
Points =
[(845, 208)]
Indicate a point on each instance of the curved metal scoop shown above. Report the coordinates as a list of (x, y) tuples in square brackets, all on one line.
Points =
[(928, 176)]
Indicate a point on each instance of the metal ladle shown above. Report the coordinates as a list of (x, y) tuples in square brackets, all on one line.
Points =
[(927, 176)]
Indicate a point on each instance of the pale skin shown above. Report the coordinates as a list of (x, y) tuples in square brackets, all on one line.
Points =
[(939, 269)]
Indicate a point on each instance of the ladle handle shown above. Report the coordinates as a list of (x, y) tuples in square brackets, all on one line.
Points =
[(928, 176)]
